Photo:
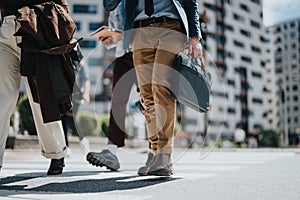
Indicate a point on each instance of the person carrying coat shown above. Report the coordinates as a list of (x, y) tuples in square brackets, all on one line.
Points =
[(50, 131)]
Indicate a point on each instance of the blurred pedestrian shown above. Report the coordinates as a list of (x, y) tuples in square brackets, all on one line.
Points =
[(239, 136), (81, 97), (253, 139), (123, 79)]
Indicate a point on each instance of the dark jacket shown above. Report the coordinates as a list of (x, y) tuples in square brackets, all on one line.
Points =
[(187, 9), (10, 7), (45, 55)]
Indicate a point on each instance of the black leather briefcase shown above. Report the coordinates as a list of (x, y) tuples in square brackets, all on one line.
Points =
[(192, 83)]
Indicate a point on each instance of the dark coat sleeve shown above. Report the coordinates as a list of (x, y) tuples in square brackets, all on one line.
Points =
[(191, 10)]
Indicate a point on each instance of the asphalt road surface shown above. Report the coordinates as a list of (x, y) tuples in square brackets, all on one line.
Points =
[(268, 174)]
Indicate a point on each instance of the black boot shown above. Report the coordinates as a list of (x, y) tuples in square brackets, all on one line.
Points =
[(56, 166)]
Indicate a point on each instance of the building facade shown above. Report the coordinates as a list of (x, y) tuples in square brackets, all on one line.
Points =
[(272, 86), (236, 45), (285, 40)]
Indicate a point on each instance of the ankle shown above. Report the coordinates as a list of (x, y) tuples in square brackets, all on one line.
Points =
[(112, 148)]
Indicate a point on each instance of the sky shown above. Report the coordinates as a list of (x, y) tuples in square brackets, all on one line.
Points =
[(276, 11)]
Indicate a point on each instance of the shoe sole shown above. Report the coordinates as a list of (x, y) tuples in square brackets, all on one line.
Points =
[(54, 173), (160, 172), (142, 174), (99, 162)]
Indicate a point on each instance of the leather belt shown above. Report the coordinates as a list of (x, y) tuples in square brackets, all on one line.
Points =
[(154, 20)]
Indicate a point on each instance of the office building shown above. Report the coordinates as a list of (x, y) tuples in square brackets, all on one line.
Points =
[(236, 45), (285, 40)]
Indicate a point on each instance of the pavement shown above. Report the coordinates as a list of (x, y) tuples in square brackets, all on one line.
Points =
[(199, 174)]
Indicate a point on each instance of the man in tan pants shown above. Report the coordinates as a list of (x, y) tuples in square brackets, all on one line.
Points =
[(51, 135), (157, 31)]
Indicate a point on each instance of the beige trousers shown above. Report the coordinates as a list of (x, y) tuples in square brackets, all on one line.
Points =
[(154, 48), (51, 135)]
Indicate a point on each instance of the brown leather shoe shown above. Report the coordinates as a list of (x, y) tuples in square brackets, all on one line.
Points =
[(161, 166), (143, 171)]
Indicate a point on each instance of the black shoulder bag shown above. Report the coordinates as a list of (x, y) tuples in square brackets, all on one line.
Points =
[(192, 82)]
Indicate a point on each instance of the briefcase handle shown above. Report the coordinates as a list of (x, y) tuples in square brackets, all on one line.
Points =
[(197, 61)]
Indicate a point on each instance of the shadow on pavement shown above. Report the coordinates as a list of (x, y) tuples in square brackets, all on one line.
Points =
[(86, 185)]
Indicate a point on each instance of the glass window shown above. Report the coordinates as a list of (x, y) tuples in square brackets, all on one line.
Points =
[(257, 101), (238, 17), (81, 8), (245, 33), (238, 44), (229, 54), (279, 50), (263, 39), (94, 25), (231, 110), (292, 25), (88, 43), (244, 7), (256, 1), (255, 49), (256, 75), (246, 59), (294, 66), (229, 27), (294, 56), (278, 40), (295, 87), (255, 24), (278, 60), (231, 82), (278, 70), (210, 6), (293, 35), (78, 26)]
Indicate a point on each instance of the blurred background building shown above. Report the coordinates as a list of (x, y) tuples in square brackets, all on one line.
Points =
[(89, 15), (255, 70), (285, 58), (236, 44)]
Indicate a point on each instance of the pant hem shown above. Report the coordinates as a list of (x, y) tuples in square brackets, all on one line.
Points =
[(55, 155)]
